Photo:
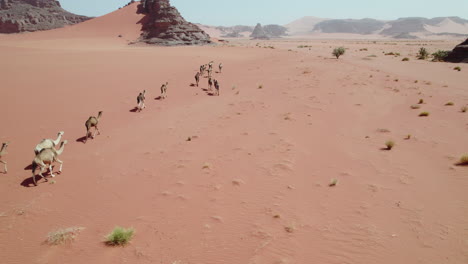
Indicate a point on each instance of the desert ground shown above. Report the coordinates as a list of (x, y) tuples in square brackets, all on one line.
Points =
[(252, 183)]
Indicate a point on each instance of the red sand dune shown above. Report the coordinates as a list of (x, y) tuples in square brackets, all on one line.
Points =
[(270, 153)]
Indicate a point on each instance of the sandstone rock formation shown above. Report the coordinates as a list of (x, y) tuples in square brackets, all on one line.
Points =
[(259, 33), (33, 15), (163, 25), (459, 53)]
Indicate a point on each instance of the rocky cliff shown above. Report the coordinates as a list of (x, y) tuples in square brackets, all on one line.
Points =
[(459, 53), (33, 15), (163, 25)]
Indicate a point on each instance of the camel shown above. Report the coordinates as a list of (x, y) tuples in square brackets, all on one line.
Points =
[(141, 101), (47, 157), (164, 90), (202, 69), (197, 78), (3, 152), (210, 83), (92, 122), (216, 85), (210, 65), (210, 71), (220, 67), (48, 143)]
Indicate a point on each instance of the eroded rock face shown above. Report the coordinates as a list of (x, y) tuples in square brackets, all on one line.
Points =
[(259, 33), (459, 53), (163, 25), (33, 15)]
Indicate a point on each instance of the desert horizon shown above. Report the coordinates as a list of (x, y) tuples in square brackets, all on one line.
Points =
[(170, 143)]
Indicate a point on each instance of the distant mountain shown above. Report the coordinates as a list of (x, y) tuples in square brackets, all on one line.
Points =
[(33, 15), (410, 27), (303, 25)]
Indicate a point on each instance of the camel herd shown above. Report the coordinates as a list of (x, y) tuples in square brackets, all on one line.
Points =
[(46, 153)]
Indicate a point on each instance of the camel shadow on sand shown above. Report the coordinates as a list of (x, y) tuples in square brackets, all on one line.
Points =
[(81, 139), (134, 110), (29, 182)]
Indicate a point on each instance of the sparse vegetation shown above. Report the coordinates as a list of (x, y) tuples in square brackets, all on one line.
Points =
[(421, 101), (304, 46), (424, 114), (408, 137), (405, 59), (364, 49), (337, 52), (423, 54), (463, 161), (440, 55), (457, 68), (464, 109), (63, 235), (260, 86), (389, 144), (333, 183), (449, 104), (415, 106), (120, 236)]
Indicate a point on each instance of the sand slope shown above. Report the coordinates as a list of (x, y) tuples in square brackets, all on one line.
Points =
[(252, 185)]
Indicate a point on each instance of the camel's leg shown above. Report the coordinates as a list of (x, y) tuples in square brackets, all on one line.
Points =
[(61, 164), (96, 130), (51, 171), (43, 166), (87, 134), (4, 166)]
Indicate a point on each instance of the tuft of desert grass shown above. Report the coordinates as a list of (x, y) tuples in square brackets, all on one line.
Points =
[(260, 86), (62, 236), (333, 183), (389, 144), (408, 137), (464, 109), (449, 104), (463, 161), (457, 68), (424, 114), (421, 101), (119, 236), (405, 59), (415, 107)]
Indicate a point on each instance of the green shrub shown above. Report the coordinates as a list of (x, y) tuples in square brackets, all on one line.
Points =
[(390, 144), (405, 59), (449, 104), (337, 52), (421, 101), (424, 114), (119, 236), (457, 68), (463, 161), (423, 54), (440, 55)]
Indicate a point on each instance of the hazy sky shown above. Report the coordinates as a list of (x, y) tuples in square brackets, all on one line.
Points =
[(249, 12)]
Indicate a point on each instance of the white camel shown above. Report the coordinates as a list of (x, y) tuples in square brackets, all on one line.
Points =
[(48, 143), (3, 152), (47, 157)]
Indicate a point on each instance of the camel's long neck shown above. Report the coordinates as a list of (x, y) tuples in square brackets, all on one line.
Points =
[(60, 151), (99, 116), (58, 139)]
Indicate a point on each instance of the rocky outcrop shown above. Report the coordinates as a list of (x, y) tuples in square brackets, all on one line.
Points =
[(259, 33), (459, 53), (163, 25), (33, 15)]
